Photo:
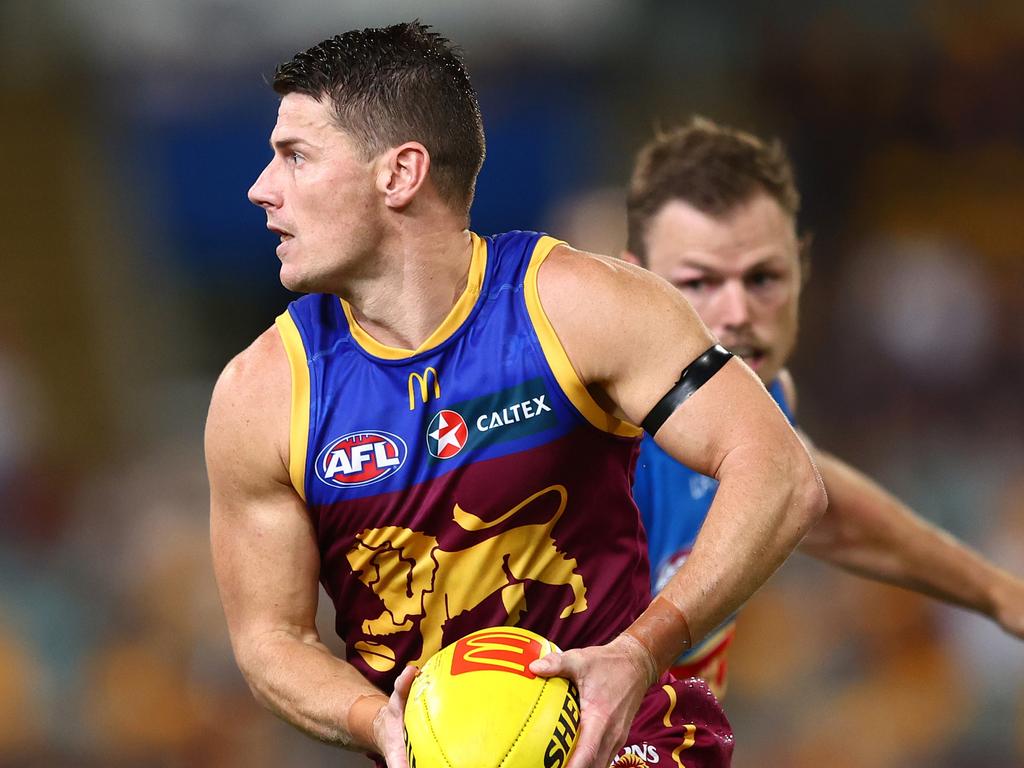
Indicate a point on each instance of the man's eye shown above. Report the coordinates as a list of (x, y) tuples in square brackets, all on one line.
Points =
[(760, 279), (694, 284), (295, 158)]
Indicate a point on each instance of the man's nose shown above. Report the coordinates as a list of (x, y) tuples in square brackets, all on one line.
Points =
[(733, 304), (263, 192)]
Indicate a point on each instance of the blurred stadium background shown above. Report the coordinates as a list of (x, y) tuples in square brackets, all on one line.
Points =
[(134, 268)]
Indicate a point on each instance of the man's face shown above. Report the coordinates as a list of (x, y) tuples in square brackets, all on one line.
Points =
[(741, 272), (319, 196)]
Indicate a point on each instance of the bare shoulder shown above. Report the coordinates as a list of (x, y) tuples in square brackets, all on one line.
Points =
[(627, 332), (259, 371), (569, 275), (249, 413), (609, 301)]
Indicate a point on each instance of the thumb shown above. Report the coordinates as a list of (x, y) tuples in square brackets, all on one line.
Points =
[(551, 665), (404, 681)]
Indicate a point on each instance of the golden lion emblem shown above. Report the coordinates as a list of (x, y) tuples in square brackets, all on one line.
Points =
[(417, 580)]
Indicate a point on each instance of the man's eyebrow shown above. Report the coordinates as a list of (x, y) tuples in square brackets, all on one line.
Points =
[(767, 261), (696, 264), (288, 142)]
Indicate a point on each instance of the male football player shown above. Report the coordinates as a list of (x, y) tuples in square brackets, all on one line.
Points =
[(713, 210), (442, 432)]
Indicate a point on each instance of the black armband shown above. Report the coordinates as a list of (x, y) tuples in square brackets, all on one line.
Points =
[(693, 377)]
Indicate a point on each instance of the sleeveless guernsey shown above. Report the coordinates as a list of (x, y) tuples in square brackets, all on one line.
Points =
[(469, 483)]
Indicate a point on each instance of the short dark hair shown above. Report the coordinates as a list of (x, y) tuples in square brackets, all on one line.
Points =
[(393, 84), (712, 167)]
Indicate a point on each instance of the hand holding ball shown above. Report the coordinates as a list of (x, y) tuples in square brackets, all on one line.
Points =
[(476, 704)]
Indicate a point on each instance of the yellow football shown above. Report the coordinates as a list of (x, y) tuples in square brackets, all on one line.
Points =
[(476, 704)]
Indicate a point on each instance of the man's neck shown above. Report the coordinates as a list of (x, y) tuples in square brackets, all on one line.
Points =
[(420, 279)]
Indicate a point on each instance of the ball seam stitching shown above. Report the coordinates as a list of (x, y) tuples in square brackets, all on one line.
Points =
[(529, 717), (433, 733)]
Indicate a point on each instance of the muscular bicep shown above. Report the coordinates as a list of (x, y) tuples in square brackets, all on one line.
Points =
[(630, 335), (730, 411), (266, 562), (264, 547)]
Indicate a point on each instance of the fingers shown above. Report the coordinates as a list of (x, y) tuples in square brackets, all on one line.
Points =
[(397, 757), (393, 747), (404, 682), (1015, 627), (557, 664), (609, 694), (393, 721), (585, 753), (547, 666), (599, 740), (1009, 605)]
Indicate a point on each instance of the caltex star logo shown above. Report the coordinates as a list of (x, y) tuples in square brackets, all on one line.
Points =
[(446, 435)]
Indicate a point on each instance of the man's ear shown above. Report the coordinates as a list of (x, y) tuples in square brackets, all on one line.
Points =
[(402, 173), (631, 257)]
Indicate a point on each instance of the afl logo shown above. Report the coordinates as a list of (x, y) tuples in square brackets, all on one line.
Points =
[(360, 458), (446, 435)]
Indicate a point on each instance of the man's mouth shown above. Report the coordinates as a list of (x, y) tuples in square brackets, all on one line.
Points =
[(284, 234), (752, 355), (286, 238)]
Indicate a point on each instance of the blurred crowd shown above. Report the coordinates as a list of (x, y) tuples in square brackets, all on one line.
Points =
[(134, 269)]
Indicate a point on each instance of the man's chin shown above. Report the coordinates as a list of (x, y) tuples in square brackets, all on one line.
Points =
[(764, 366), (296, 281), (756, 362)]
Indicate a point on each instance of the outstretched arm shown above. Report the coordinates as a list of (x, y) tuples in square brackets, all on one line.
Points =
[(267, 565), (870, 532), (629, 334)]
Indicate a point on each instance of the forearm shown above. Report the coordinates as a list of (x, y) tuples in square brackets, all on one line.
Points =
[(761, 511), (908, 552), (301, 681), (871, 533)]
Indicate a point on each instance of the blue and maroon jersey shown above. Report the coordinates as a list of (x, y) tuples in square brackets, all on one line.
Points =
[(674, 501), (468, 483)]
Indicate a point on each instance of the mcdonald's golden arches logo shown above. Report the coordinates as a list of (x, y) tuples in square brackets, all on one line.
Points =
[(424, 382), (501, 650)]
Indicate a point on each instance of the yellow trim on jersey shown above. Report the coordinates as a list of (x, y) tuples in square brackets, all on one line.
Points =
[(455, 318), (688, 741), (558, 360), (689, 729), (671, 692), (299, 430)]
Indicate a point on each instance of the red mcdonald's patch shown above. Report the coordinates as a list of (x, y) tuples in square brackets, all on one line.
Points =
[(496, 650)]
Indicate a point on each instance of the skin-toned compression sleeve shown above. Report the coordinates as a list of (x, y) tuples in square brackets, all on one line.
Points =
[(361, 714), (693, 377), (664, 633)]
